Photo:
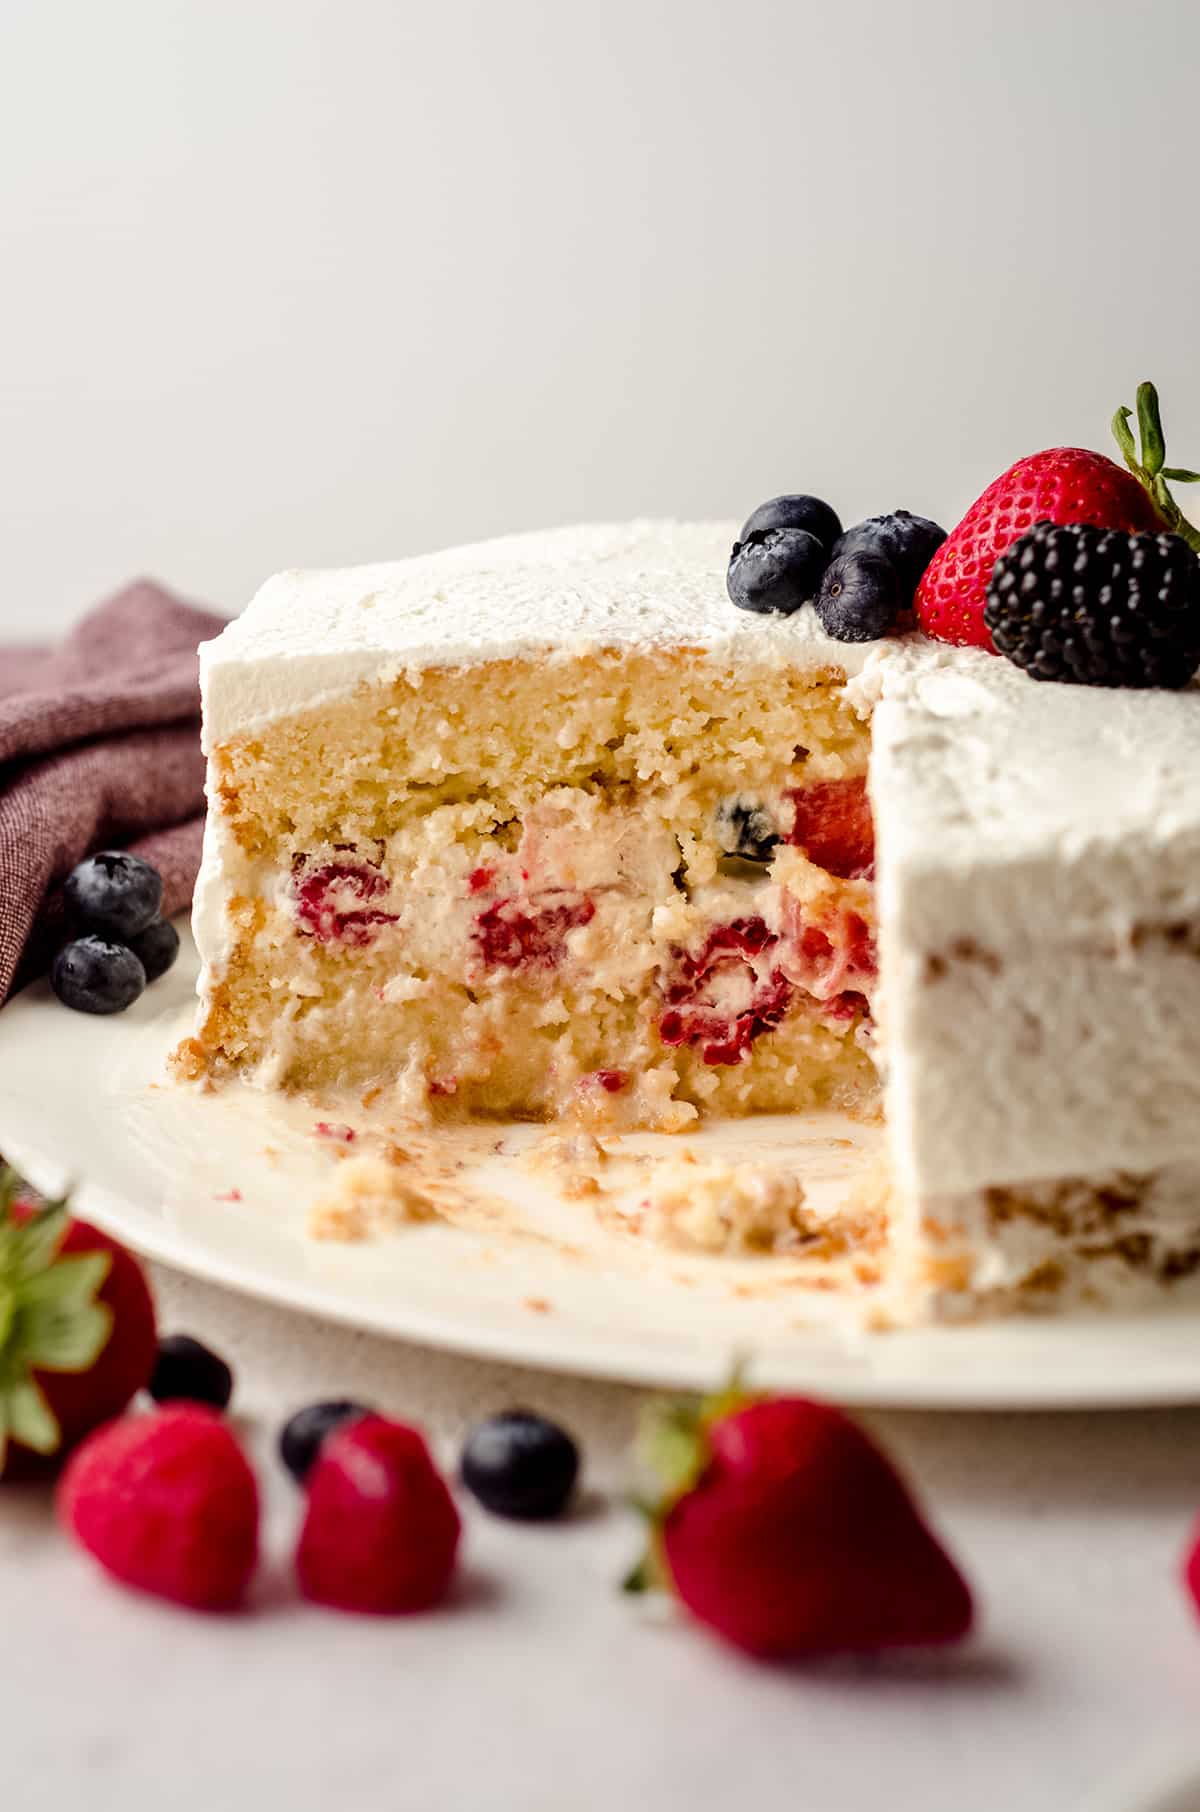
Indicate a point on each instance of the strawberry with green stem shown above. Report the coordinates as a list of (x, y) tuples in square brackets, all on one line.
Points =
[(77, 1330), (1062, 485)]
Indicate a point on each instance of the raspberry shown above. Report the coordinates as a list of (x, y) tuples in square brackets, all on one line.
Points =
[(326, 902), (509, 936), (381, 1531), (168, 1505), (833, 960), (698, 997)]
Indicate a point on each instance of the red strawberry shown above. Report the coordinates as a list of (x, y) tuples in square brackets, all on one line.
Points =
[(381, 1531), (834, 827), (790, 1533), (77, 1331), (1062, 485), (167, 1504)]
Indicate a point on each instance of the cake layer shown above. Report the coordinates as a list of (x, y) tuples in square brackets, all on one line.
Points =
[(627, 587), (633, 881), (1096, 1239)]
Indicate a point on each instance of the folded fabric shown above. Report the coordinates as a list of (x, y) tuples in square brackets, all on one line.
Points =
[(99, 748)]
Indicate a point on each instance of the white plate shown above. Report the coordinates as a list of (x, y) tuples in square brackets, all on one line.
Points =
[(546, 1283)]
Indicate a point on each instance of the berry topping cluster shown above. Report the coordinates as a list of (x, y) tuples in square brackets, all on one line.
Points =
[(112, 902), (1076, 568), (1110, 599)]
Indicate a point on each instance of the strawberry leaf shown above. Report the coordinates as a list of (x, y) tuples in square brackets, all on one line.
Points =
[(1123, 435), (1150, 471), (50, 1318), (58, 1339), (29, 1418), (34, 1246)]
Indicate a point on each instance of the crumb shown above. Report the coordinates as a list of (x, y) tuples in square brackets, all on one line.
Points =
[(335, 1129), (715, 1208), (369, 1195), (537, 1305), (578, 1188), (231, 1195)]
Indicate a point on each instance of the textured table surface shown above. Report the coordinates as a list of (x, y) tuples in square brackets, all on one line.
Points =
[(542, 1690)]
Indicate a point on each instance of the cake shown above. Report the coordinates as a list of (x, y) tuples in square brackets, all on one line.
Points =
[(544, 828)]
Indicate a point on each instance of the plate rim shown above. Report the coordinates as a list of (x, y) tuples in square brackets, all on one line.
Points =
[(546, 1345)]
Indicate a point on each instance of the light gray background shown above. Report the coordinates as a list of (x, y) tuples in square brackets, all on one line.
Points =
[(289, 282)]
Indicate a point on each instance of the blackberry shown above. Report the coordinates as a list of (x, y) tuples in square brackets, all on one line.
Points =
[(1096, 607)]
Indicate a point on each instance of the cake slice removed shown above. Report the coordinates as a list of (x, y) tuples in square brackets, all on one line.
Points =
[(540, 825)]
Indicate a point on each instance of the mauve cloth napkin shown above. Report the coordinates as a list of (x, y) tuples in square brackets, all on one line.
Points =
[(99, 748)]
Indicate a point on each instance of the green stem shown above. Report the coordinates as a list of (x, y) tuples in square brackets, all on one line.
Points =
[(1150, 470)]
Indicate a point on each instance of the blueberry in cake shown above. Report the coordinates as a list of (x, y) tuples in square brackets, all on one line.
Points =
[(607, 818)]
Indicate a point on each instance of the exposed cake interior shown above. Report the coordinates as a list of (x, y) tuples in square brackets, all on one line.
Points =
[(633, 883)]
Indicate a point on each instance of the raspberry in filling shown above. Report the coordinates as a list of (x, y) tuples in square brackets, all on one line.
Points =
[(515, 934), (720, 1001), (833, 826), (329, 902), (833, 960)]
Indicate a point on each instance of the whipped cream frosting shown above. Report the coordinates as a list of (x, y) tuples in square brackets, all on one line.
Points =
[(308, 636), (1038, 897)]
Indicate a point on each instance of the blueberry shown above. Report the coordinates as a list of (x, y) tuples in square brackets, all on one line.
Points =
[(91, 975), (777, 571), (745, 830), (908, 541), (114, 893), (859, 598), (794, 512), (157, 947), (188, 1371), (520, 1465), (305, 1433)]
